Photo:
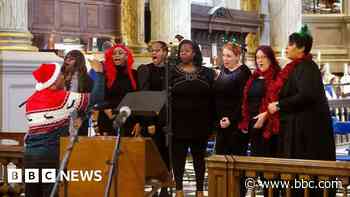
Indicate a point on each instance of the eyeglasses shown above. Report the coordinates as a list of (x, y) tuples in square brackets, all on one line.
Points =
[(70, 58)]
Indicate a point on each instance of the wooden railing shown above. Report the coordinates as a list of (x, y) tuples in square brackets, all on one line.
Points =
[(225, 175), (11, 153)]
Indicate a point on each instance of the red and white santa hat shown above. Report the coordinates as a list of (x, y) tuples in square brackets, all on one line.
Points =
[(46, 75)]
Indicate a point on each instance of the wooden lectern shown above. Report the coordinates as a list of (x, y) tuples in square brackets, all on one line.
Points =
[(139, 163)]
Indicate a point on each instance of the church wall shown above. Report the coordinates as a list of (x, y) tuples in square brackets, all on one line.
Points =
[(331, 38), (17, 84)]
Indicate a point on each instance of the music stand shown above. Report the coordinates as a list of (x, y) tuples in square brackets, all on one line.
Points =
[(142, 103)]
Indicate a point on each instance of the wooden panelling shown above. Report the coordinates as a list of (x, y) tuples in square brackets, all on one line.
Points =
[(211, 28), (332, 36), (224, 19), (69, 16), (78, 18), (92, 16), (42, 15), (110, 17), (329, 32)]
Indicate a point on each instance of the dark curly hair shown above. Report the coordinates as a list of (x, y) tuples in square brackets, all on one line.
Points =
[(270, 54), (302, 40), (198, 58)]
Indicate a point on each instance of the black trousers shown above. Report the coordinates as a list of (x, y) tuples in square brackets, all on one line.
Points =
[(159, 139), (198, 151), (231, 141), (40, 162)]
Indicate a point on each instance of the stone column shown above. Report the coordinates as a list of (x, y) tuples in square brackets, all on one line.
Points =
[(250, 5), (14, 34), (229, 4), (233, 4), (286, 17), (236, 4), (346, 8), (132, 24), (252, 39), (265, 29), (169, 18)]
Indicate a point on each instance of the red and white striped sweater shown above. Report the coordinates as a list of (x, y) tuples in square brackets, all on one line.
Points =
[(48, 109)]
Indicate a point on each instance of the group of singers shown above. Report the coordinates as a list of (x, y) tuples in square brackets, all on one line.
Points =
[(280, 112)]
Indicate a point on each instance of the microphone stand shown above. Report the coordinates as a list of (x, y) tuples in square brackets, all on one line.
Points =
[(73, 140), (172, 61), (113, 169)]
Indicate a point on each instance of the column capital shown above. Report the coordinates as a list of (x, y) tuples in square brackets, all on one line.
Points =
[(14, 34), (286, 18), (132, 23), (169, 18)]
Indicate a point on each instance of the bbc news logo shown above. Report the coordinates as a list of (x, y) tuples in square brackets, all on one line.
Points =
[(49, 175)]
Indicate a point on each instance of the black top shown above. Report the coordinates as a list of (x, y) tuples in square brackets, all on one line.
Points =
[(113, 96), (255, 95), (192, 107), (228, 88), (120, 87), (306, 125), (151, 77)]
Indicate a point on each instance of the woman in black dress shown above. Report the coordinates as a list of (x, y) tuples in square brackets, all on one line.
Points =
[(191, 113), (299, 108), (228, 87), (151, 77), (120, 80), (254, 103)]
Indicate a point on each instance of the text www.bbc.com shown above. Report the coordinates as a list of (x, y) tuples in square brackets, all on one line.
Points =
[(251, 183)]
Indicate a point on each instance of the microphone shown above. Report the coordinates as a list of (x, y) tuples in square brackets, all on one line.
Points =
[(122, 116)]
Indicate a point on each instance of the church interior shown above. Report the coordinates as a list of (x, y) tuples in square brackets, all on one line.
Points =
[(37, 32)]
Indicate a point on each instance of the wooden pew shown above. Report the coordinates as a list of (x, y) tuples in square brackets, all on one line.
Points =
[(11, 152)]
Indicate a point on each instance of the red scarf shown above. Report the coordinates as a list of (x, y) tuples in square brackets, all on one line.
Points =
[(268, 75), (273, 124), (110, 68)]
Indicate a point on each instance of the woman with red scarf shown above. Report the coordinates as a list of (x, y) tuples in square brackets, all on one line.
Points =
[(120, 80), (298, 106), (299, 109), (254, 102)]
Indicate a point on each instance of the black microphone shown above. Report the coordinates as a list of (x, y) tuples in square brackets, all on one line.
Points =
[(122, 116)]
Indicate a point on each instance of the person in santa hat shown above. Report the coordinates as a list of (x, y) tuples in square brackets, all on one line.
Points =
[(120, 80), (47, 113)]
